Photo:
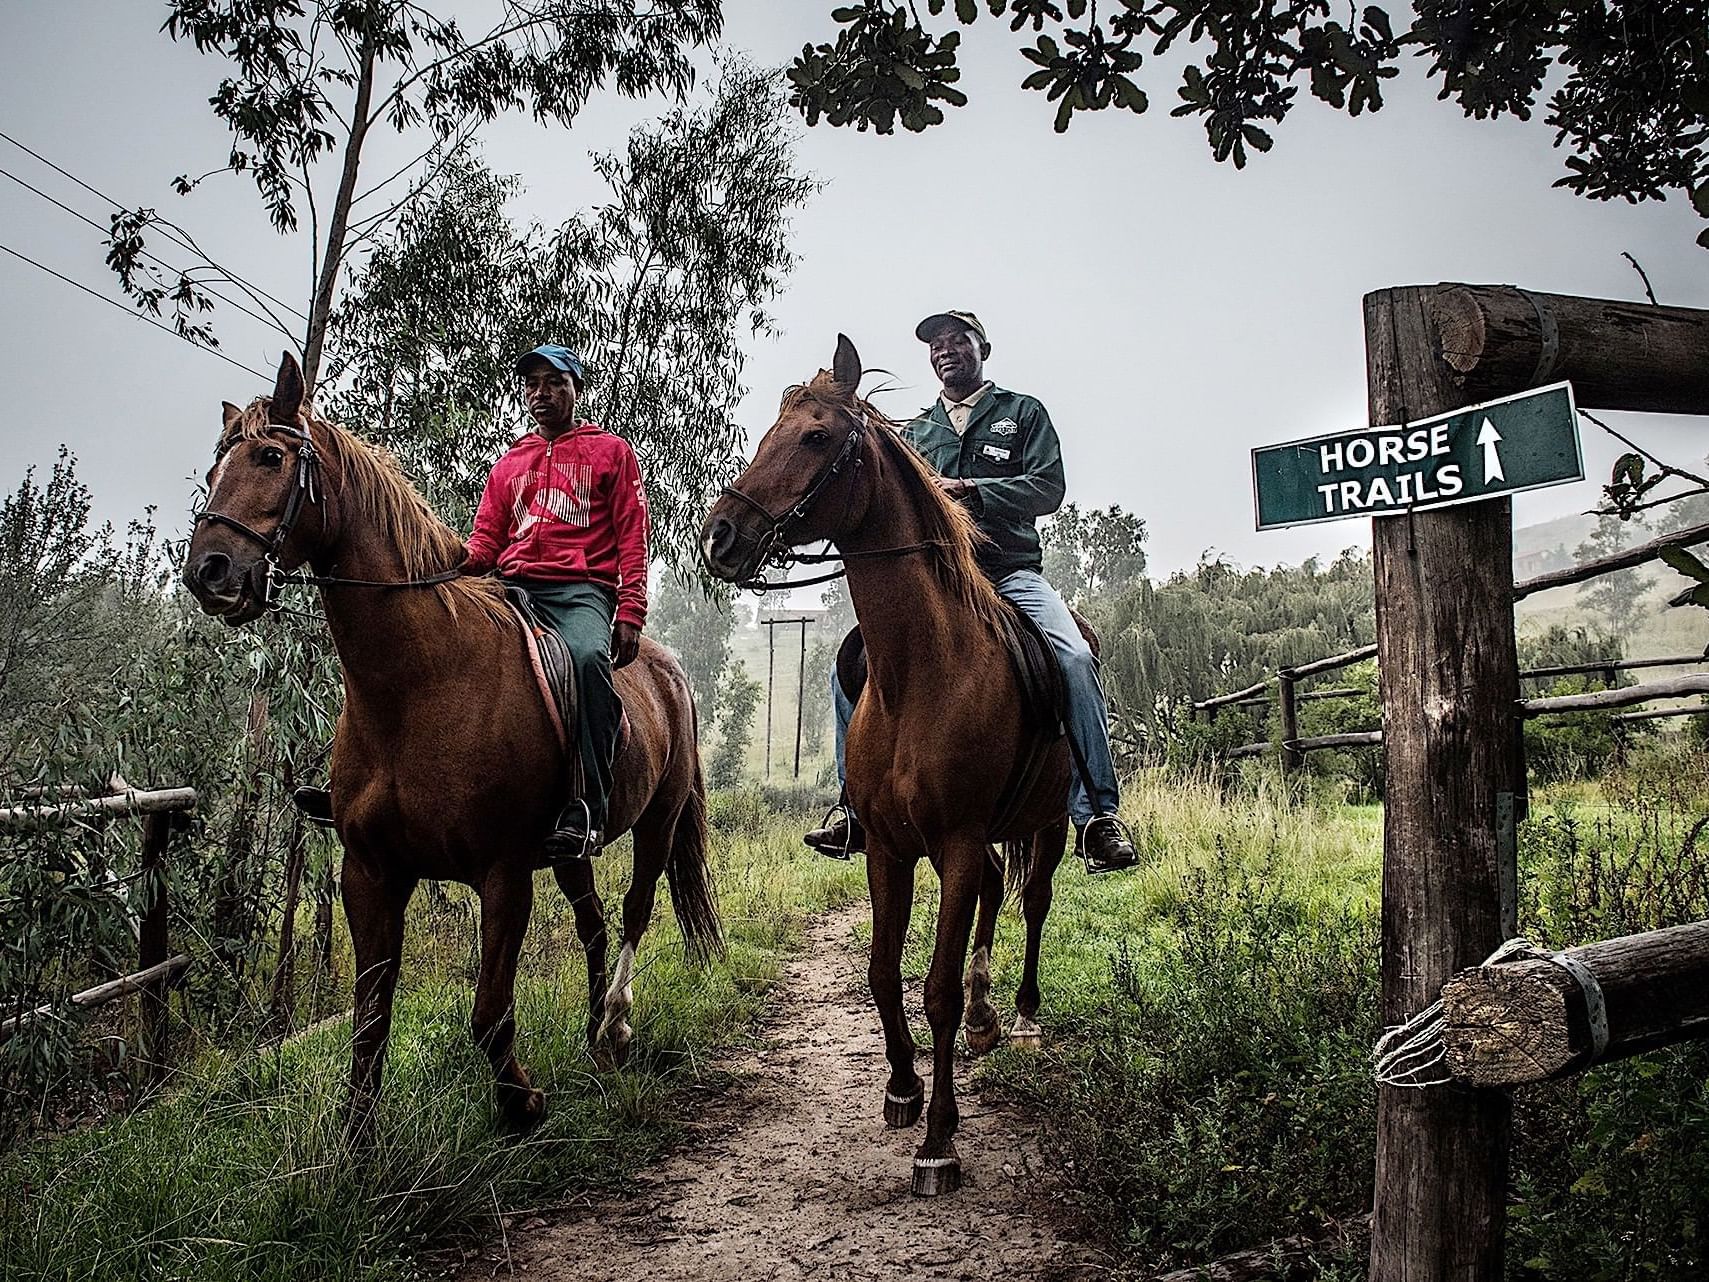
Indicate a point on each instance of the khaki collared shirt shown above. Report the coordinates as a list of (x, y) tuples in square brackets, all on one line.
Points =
[(960, 411)]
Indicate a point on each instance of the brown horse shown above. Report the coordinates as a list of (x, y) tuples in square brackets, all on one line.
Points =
[(445, 764), (937, 732)]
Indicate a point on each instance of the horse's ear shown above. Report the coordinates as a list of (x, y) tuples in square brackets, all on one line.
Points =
[(845, 366), (287, 391), (229, 414)]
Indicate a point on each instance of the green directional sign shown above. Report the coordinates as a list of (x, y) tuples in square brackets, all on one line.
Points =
[(1521, 442)]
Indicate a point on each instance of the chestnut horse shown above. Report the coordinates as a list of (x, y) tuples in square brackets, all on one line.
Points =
[(937, 732), (445, 764)]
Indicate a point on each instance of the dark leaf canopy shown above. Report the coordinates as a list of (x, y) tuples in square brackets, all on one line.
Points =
[(1631, 107)]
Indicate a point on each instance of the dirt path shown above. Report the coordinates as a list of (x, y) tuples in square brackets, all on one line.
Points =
[(797, 1177)]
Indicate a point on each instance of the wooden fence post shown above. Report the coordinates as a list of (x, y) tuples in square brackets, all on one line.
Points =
[(151, 946), (1292, 757), (1449, 681)]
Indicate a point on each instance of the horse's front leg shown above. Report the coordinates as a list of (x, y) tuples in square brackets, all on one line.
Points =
[(507, 898), (937, 1168), (891, 883), (374, 909)]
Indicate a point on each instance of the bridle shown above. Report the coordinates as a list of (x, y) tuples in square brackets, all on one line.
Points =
[(773, 548), (306, 489)]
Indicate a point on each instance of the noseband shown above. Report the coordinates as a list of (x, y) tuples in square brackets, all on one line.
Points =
[(305, 490), (773, 547)]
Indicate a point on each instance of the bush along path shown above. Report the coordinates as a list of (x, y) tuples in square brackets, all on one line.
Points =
[(796, 1176)]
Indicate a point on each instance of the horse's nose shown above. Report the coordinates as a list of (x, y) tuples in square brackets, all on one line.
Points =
[(209, 576), (720, 542)]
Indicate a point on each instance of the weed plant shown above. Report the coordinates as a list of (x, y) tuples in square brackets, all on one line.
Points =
[(1207, 1084), (1608, 1165)]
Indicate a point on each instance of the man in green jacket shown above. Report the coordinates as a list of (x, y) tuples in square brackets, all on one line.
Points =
[(996, 452)]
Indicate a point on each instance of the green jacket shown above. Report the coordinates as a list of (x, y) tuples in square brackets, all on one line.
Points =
[(1011, 453)]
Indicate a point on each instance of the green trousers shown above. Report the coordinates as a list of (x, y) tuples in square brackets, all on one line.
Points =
[(581, 614)]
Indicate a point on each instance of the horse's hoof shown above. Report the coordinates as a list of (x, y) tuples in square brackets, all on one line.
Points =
[(522, 1110), (934, 1176), (1026, 1035), (612, 1050), (902, 1111), (982, 1041)]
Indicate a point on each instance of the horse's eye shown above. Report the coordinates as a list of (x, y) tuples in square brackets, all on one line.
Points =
[(272, 456), (815, 436)]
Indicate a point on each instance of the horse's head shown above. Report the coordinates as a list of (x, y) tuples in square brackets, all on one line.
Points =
[(805, 482), (265, 511)]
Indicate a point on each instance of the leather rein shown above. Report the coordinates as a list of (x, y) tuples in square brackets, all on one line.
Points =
[(772, 547), (305, 490)]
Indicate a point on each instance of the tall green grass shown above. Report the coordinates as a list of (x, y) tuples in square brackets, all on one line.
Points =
[(239, 1171), (1207, 1084)]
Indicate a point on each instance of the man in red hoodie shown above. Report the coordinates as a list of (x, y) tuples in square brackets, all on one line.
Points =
[(564, 515)]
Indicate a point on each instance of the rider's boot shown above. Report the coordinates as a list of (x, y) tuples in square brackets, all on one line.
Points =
[(575, 836), (839, 838), (1105, 845), (315, 803)]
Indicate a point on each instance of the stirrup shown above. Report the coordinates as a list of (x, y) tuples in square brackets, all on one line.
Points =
[(561, 842), (846, 851), (1080, 847)]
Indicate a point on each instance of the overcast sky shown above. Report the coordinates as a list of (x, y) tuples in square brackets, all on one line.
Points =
[(1171, 312)]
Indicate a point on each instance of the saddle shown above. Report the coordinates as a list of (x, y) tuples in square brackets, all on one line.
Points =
[(1044, 698), (555, 675)]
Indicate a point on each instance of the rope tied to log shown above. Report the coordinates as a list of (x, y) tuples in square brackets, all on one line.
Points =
[(1413, 1055)]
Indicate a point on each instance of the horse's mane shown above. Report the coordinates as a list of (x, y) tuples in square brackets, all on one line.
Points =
[(375, 489), (950, 528)]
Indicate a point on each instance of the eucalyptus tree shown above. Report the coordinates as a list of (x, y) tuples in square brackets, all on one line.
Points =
[(657, 288), (309, 83), (1626, 81)]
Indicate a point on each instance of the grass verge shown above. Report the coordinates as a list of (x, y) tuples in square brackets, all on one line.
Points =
[(238, 1172)]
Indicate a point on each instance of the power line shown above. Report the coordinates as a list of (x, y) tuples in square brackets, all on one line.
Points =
[(113, 302), (230, 302), (165, 230)]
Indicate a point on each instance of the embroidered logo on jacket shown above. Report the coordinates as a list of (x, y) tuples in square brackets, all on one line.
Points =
[(1005, 427)]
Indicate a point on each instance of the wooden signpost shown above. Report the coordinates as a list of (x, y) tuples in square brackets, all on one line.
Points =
[(1450, 694)]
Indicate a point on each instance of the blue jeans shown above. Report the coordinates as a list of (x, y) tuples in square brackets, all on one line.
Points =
[(1088, 719)]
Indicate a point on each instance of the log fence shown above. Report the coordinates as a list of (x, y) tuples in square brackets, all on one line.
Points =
[(1293, 747), (161, 811)]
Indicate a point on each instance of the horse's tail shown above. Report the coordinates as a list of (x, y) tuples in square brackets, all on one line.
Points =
[(1018, 862), (689, 877)]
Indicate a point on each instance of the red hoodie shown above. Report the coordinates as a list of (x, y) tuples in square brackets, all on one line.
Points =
[(568, 510)]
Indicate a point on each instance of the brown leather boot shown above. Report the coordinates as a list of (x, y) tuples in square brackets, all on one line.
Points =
[(839, 839), (1105, 846)]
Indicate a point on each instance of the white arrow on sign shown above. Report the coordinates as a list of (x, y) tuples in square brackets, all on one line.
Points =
[(1488, 437)]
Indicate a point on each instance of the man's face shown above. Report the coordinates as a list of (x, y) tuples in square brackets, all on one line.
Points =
[(957, 356), (550, 394)]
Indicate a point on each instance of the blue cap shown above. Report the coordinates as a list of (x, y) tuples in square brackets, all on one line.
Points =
[(561, 358)]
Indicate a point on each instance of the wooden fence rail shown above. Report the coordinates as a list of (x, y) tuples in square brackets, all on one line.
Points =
[(1526, 1021), (160, 810)]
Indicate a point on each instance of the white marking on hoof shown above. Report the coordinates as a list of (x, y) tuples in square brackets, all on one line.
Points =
[(620, 996), (935, 1176), (1026, 1033)]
